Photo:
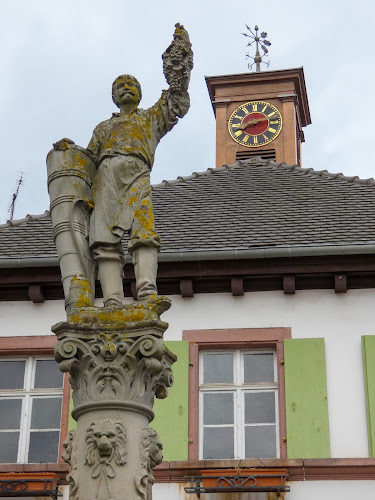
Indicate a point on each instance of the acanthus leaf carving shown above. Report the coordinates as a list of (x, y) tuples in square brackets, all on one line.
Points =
[(109, 366)]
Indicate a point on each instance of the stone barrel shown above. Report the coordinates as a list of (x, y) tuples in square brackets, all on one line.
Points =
[(70, 175)]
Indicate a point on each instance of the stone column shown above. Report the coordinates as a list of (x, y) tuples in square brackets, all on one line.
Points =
[(118, 363)]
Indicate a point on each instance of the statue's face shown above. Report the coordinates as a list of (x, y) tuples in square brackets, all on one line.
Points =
[(126, 91)]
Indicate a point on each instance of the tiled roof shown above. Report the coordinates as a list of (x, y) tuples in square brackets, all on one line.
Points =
[(250, 204)]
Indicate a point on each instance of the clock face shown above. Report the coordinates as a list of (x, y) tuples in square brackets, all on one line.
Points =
[(255, 124)]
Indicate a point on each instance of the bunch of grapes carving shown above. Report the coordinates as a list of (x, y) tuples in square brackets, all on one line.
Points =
[(178, 60)]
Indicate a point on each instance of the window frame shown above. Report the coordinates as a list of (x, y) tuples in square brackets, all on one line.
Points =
[(39, 347), (245, 339), (239, 390)]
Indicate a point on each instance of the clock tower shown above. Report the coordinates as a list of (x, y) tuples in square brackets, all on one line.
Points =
[(260, 114)]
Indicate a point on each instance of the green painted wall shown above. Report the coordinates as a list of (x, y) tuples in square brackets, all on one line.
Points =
[(368, 351), (306, 399), (171, 414)]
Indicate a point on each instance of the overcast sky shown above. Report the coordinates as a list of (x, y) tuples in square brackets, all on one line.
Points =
[(58, 60)]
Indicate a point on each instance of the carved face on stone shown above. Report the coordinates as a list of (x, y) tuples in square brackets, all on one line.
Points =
[(126, 90), (68, 447), (156, 452), (105, 439)]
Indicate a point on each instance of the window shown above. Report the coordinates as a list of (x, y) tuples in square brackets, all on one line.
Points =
[(237, 393), (31, 397), (238, 404)]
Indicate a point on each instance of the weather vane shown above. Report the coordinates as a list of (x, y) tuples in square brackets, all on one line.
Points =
[(260, 40)]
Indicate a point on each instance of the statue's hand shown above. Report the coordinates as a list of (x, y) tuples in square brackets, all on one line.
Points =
[(62, 144)]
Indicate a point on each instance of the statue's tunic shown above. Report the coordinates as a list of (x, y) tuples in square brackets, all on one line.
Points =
[(124, 147)]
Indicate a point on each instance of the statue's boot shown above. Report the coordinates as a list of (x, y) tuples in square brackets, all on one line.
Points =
[(110, 273), (145, 260)]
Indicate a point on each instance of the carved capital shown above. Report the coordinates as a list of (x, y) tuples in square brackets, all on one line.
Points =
[(108, 366)]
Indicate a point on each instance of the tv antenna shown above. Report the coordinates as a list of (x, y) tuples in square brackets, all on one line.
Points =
[(12, 204)]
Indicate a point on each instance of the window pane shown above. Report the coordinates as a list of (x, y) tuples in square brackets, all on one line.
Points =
[(43, 446), (217, 368), (258, 368), (218, 442), (9, 447), (260, 441), (46, 413), (12, 374), (259, 407), (47, 374), (218, 408), (10, 413)]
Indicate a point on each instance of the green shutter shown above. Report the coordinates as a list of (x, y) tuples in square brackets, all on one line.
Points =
[(171, 414), (368, 350), (72, 424), (306, 399)]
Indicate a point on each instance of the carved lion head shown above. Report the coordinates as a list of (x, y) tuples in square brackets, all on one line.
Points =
[(106, 440), (152, 447)]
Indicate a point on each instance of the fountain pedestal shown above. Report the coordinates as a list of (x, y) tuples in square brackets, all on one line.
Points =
[(117, 363)]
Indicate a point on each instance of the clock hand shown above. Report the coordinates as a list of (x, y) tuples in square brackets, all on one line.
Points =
[(243, 125)]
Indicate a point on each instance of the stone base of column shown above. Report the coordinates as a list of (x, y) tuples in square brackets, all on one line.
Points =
[(118, 363)]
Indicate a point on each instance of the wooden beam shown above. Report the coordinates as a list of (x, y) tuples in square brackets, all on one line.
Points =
[(186, 288), (236, 285), (36, 294), (340, 283), (289, 284)]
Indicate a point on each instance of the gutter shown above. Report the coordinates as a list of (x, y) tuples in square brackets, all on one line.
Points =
[(205, 255)]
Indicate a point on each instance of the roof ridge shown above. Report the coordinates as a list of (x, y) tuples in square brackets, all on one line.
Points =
[(325, 173), (27, 218), (182, 179), (310, 170), (354, 179)]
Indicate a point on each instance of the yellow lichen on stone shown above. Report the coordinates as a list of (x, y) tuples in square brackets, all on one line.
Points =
[(132, 200), (81, 292), (112, 318), (145, 216), (90, 203), (136, 134), (80, 162), (112, 141)]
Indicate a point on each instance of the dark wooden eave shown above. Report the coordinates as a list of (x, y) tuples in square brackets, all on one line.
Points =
[(339, 273)]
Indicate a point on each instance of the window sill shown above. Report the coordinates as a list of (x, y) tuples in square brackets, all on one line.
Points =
[(298, 469), (61, 469)]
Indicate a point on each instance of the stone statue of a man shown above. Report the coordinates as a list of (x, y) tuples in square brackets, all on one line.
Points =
[(123, 149)]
